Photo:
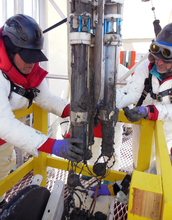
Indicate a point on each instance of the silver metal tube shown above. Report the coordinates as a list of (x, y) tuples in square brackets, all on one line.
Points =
[(81, 75), (98, 57), (108, 112), (109, 74), (4, 11), (43, 22), (57, 9), (53, 76), (18, 6), (34, 9)]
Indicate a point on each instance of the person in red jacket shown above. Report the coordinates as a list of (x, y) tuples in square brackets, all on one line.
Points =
[(22, 81)]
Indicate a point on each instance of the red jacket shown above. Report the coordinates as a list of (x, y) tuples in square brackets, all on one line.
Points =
[(33, 79)]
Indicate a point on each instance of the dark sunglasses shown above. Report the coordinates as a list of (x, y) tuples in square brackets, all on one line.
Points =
[(165, 61)]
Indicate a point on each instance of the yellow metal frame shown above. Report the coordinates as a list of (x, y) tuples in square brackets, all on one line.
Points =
[(150, 195)]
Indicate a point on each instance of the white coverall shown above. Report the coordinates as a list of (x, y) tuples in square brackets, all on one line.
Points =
[(17, 133), (131, 93)]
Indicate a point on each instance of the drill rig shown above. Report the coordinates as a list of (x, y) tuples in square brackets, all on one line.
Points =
[(94, 37)]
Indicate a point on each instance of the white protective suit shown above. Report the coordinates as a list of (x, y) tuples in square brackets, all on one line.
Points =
[(131, 93), (17, 133)]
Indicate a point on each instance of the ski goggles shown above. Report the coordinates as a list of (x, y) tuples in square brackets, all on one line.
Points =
[(166, 52)]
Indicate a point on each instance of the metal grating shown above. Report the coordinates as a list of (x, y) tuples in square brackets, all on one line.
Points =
[(27, 180), (52, 176), (120, 209), (126, 154)]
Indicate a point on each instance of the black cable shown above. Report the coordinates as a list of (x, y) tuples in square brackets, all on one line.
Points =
[(55, 25)]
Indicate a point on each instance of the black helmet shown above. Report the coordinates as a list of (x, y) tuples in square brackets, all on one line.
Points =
[(24, 32), (162, 46), (165, 35)]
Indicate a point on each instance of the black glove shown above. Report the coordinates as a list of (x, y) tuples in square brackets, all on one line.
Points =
[(136, 113)]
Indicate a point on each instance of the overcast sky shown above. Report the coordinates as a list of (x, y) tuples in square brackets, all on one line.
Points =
[(138, 20), (138, 17)]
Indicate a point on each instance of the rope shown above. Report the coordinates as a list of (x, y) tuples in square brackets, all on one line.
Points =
[(153, 9)]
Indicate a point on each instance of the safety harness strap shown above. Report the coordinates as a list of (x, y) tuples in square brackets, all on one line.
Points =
[(159, 96), (146, 90), (31, 94)]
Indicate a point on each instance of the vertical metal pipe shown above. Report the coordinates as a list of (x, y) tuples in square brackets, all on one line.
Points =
[(108, 110), (78, 85), (80, 99), (109, 113), (57, 9), (43, 22), (109, 75), (68, 41), (34, 9), (98, 51), (18, 6), (4, 11), (81, 105)]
